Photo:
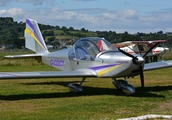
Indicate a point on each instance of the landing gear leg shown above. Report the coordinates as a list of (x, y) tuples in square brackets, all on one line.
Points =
[(124, 86), (155, 58), (76, 88)]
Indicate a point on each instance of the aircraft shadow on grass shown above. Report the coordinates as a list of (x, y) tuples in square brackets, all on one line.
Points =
[(88, 91)]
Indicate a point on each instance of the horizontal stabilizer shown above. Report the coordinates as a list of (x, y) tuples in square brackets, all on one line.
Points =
[(24, 56)]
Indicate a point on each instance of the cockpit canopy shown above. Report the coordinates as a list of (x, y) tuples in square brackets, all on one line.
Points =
[(87, 48)]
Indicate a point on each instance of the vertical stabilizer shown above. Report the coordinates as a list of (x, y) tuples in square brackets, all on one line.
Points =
[(33, 36)]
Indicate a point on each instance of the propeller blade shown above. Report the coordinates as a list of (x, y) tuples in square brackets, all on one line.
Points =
[(126, 53), (150, 49), (141, 76), (135, 59)]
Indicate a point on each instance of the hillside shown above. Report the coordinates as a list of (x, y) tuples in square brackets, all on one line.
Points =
[(12, 32)]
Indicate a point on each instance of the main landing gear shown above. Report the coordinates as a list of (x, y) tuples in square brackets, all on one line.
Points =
[(123, 86), (76, 88), (119, 84)]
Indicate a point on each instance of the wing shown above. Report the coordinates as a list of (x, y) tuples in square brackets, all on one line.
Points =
[(140, 42), (127, 43), (158, 65), (146, 42), (123, 44), (48, 74)]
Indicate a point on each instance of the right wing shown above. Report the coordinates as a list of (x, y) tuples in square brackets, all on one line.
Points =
[(48, 74)]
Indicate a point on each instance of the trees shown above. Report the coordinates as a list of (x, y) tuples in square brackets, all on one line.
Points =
[(51, 39), (12, 34), (10, 31), (71, 28), (129, 37), (84, 30), (57, 27), (48, 33)]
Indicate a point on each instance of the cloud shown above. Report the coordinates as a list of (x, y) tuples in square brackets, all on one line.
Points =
[(96, 19), (16, 13), (12, 12)]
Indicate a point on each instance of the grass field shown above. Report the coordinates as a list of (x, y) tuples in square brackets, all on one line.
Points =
[(50, 98)]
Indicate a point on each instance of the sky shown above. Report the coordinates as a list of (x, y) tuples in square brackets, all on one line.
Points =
[(95, 15)]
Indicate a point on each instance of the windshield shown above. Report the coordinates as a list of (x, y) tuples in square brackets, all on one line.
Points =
[(88, 48)]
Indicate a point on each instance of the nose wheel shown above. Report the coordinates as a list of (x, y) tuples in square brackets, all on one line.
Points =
[(123, 86)]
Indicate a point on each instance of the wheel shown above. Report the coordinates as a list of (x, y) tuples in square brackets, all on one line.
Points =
[(118, 83), (128, 89), (75, 88)]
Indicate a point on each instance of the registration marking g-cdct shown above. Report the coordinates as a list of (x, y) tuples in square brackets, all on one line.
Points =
[(57, 63)]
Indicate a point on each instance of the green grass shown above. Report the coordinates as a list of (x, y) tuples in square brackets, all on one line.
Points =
[(49, 98)]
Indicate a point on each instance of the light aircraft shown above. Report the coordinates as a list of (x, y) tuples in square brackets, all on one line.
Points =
[(88, 57), (141, 47)]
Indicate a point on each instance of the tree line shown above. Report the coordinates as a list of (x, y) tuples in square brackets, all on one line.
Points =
[(12, 32)]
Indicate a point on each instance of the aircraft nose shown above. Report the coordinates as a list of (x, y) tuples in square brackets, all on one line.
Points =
[(137, 59)]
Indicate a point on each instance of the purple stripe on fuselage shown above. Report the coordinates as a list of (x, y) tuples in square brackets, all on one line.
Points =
[(102, 67), (31, 25)]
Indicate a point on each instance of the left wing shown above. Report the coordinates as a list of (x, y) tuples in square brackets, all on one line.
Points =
[(158, 65), (48, 74)]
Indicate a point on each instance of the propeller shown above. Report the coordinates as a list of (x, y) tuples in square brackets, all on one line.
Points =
[(141, 68), (137, 61)]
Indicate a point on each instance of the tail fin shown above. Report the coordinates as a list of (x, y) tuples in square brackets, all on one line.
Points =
[(33, 36)]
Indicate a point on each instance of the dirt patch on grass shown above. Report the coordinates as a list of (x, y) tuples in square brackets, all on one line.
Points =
[(163, 108)]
